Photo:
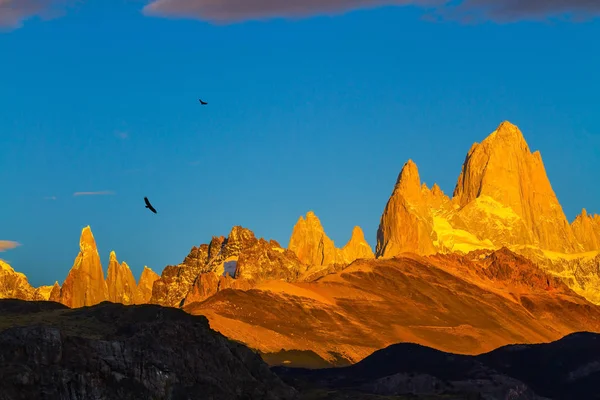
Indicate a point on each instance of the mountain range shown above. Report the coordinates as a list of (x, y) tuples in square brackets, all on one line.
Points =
[(495, 264)]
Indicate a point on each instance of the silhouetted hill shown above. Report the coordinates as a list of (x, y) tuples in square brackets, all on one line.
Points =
[(112, 351), (566, 369)]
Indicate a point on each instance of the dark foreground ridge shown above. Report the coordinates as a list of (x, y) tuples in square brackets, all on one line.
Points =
[(111, 351), (568, 368)]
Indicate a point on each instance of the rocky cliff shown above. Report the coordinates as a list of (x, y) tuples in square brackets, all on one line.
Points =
[(314, 248), (503, 198), (240, 256), (407, 223), (14, 285), (586, 229), (502, 170), (110, 351), (145, 284), (120, 282), (85, 284), (357, 247)]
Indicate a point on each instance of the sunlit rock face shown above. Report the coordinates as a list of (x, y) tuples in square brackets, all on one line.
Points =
[(503, 198), (144, 288), (502, 170), (586, 229), (120, 282), (314, 248), (14, 285), (85, 284), (239, 260)]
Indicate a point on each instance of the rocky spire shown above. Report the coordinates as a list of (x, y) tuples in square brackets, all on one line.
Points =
[(313, 247), (120, 282), (503, 169), (357, 247), (586, 229), (406, 224), (144, 288), (85, 285), (311, 244)]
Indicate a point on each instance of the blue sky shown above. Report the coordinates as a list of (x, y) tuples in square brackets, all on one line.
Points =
[(316, 112)]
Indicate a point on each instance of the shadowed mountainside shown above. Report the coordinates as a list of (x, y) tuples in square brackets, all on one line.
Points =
[(111, 351), (564, 369)]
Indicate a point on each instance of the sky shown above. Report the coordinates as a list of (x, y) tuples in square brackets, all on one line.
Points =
[(312, 105)]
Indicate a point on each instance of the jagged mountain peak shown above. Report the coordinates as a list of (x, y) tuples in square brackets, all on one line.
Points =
[(86, 240)]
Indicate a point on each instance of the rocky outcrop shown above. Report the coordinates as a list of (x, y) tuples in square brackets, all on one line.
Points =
[(357, 247), (268, 260), (502, 198), (209, 283), (240, 255), (407, 223), (144, 287), (586, 229), (55, 293), (14, 285), (503, 169), (313, 247), (120, 282), (85, 284), (111, 351), (310, 243), (43, 292)]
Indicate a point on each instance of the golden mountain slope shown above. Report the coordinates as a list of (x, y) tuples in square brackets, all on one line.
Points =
[(503, 197), (460, 304)]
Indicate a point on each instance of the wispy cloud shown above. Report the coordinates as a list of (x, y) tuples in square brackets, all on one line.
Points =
[(8, 245), (100, 193), (50, 198), (228, 11), (14, 12)]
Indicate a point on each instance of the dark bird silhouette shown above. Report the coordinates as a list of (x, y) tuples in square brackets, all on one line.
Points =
[(202, 102), (149, 206)]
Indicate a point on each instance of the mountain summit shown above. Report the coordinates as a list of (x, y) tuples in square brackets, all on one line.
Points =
[(502, 169), (85, 285), (503, 198)]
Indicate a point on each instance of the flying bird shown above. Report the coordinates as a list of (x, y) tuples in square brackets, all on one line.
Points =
[(149, 206), (202, 102)]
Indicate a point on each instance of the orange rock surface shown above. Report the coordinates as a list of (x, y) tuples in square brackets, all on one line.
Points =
[(454, 303), (144, 287), (14, 285), (586, 229), (120, 282), (85, 285), (503, 168), (314, 248)]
